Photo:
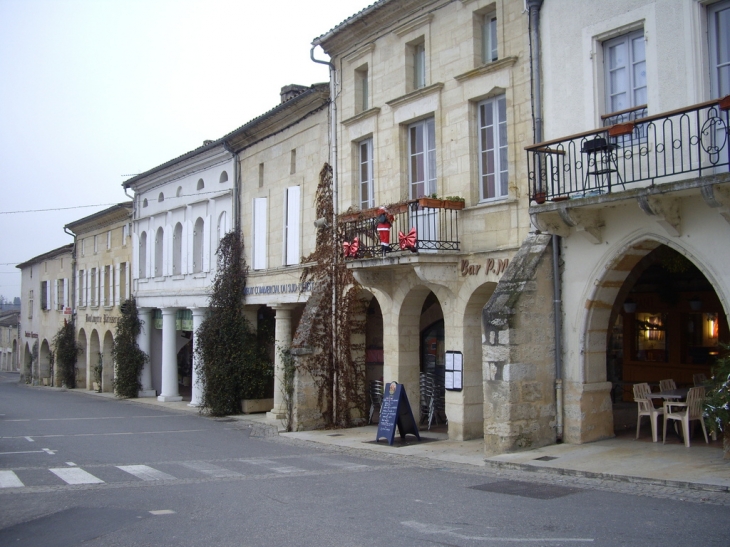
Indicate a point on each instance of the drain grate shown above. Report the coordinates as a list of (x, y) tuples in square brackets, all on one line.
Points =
[(534, 490), (546, 458)]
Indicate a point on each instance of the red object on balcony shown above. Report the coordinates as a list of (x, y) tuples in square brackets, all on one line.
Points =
[(408, 242), (724, 103), (350, 249), (621, 129)]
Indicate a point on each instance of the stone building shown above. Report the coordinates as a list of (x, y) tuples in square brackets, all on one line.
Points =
[(258, 179), (45, 303), (9, 339), (101, 282), (632, 176), (433, 101)]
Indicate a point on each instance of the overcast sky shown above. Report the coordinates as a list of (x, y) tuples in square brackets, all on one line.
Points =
[(94, 91)]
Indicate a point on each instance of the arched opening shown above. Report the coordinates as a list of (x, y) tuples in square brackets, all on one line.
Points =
[(95, 360), (223, 178), (83, 377), (432, 364), (667, 323), (45, 367), (28, 363), (107, 375), (161, 198), (201, 184), (144, 202), (198, 246), (179, 192), (177, 236), (142, 257), (159, 254)]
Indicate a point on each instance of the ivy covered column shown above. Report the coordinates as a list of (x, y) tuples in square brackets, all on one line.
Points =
[(198, 317), (282, 334), (144, 341), (169, 357)]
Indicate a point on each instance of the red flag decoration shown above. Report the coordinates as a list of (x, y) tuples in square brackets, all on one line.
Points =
[(408, 242), (350, 249)]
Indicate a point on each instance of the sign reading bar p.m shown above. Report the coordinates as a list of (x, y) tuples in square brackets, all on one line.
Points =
[(395, 410)]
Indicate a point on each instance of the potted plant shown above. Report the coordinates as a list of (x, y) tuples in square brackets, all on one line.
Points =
[(454, 202), (717, 401), (432, 201), (539, 197)]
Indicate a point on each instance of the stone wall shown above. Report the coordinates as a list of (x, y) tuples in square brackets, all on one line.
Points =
[(518, 353)]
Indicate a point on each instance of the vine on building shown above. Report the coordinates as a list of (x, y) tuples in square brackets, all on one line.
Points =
[(65, 354), (232, 360), (335, 361), (129, 359)]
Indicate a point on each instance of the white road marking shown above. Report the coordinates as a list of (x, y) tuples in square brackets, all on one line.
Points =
[(428, 528), (210, 469), (71, 464), (8, 479), (18, 420), (162, 512), (274, 466), (49, 451), (23, 452), (146, 473), (29, 440), (75, 475), (324, 460)]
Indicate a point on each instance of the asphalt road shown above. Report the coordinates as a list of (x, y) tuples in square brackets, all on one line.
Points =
[(77, 469)]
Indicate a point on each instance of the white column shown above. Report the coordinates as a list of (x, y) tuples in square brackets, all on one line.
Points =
[(144, 341), (282, 334), (198, 317), (169, 357)]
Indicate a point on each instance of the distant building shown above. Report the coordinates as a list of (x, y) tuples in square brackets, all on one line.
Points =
[(101, 282), (45, 286), (9, 339)]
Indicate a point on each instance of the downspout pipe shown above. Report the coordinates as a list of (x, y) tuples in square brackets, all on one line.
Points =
[(335, 202), (534, 17)]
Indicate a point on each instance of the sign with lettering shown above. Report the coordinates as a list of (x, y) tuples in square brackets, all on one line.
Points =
[(396, 411), (494, 266), (286, 288)]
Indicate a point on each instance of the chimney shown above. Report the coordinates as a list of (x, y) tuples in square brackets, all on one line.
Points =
[(290, 91)]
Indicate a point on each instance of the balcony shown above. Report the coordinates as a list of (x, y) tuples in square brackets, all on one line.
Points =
[(432, 224), (632, 152)]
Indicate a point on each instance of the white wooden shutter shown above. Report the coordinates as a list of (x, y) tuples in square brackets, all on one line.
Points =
[(259, 233), (206, 244), (86, 287), (48, 295), (116, 285), (292, 225), (135, 254), (66, 298)]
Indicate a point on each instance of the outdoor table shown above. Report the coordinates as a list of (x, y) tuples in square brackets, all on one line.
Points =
[(679, 393)]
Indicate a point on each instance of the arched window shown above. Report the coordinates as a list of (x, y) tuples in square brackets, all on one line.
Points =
[(144, 202), (198, 246), (142, 258), (222, 226), (159, 248), (161, 197), (201, 184), (224, 177), (179, 192), (177, 250)]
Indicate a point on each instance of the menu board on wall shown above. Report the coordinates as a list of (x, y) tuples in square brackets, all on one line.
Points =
[(454, 375)]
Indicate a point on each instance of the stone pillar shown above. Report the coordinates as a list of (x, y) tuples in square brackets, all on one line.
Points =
[(144, 341), (282, 334), (196, 396), (169, 357)]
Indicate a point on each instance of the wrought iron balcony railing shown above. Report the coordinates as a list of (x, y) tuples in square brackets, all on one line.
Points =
[(424, 225), (633, 150)]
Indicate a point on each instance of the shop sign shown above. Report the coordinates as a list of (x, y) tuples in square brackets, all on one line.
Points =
[(101, 319), (495, 266), (31, 334), (287, 288)]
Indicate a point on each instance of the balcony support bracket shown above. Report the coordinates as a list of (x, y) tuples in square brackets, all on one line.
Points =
[(718, 197), (665, 211), (587, 223)]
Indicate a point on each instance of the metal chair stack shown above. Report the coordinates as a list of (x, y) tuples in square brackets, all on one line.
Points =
[(376, 398)]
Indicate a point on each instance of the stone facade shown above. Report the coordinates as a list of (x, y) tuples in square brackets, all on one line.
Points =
[(9, 339), (102, 281)]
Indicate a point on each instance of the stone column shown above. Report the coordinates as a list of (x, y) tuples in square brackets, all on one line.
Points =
[(169, 357), (196, 396), (282, 334), (144, 341)]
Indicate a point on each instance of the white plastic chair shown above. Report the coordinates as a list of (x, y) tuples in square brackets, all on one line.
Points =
[(667, 385), (692, 412), (646, 408), (699, 379)]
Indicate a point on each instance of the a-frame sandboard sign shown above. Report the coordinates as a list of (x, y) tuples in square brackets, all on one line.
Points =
[(395, 410)]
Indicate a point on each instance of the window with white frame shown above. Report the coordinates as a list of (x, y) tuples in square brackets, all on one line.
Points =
[(96, 244), (362, 92), (45, 296), (81, 288), (108, 285), (159, 252), (719, 36), (60, 294), (198, 245), (30, 303), (489, 37), (125, 234), (422, 158), (259, 233), (142, 256), (94, 288), (109, 240), (292, 227), (123, 282), (416, 64), (177, 245), (493, 174), (365, 174), (624, 60)]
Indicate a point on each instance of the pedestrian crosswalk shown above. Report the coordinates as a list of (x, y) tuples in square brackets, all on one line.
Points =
[(74, 475)]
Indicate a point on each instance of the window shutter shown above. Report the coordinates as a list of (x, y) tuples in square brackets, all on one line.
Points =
[(292, 224), (116, 285), (259, 233), (66, 298), (48, 295)]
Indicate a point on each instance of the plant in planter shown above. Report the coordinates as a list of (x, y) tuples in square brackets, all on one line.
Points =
[(717, 401), (454, 202)]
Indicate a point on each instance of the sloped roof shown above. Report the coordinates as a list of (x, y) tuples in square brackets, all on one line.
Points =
[(353, 18), (114, 210), (45, 256)]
